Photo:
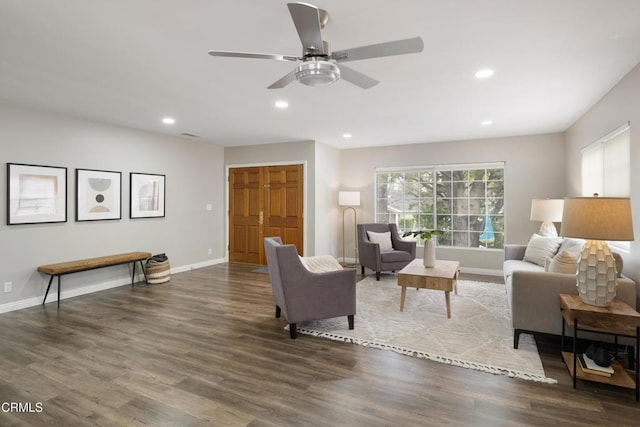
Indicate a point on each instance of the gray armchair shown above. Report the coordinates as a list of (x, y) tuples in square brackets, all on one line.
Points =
[(371, 256), (304, 295)]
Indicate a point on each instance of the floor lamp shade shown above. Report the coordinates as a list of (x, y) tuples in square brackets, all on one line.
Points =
[(349, 199), (597, 219), (548, 211)]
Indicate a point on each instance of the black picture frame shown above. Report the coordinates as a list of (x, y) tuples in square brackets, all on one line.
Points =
[(36, 194), (98, 195), (148, 195)]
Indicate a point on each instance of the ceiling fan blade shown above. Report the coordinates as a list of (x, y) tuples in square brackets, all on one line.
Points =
[(398, 47), (252, 55), (283, 81), (306, 18), (356, 77)]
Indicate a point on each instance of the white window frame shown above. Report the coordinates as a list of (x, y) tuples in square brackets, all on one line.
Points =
[(434, 169)]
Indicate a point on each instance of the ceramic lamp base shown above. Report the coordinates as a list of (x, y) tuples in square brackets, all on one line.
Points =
[(548, 229), (597, 274)]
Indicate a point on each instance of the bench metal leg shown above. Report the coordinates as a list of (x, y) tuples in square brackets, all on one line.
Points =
[(48, 287), (133, 275), (144, 272)]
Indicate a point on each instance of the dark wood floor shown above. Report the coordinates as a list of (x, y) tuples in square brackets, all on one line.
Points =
[(205, 349)]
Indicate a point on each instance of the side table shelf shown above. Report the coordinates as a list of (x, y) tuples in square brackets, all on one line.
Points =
[(618, 319), (620, 377)]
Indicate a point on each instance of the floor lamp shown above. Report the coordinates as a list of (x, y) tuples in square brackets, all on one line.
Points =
[(349, 199)]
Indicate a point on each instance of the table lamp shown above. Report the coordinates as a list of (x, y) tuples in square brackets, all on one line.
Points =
[(349, 199), (597, 219), (548, 211)]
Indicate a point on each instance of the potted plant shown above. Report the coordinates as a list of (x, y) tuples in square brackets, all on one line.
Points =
[(428, 236)]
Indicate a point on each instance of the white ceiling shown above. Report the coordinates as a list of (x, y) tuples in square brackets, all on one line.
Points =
[(131, 62)]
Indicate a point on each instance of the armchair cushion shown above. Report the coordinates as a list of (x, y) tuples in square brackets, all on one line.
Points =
[(395, 256)]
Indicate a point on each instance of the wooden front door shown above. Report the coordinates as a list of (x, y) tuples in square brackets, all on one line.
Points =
[(264, 201)]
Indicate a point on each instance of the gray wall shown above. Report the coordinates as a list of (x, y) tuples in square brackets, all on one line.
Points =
[(534, 168), (326, 201), (193, 170), (620, 105)]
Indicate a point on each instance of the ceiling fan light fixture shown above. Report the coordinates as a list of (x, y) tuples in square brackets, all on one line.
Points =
[(317, 73)]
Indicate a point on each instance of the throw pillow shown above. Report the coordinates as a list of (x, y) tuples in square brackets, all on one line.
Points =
[(564, 262), (383, 239), (540, 247), (320, 264)]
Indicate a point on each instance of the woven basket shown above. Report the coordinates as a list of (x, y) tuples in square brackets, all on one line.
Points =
[(157, 271)]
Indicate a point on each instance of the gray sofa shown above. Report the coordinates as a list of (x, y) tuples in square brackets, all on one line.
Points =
[(533, 295)]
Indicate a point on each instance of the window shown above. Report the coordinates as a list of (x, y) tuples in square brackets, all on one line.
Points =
[(466, 202), (606, 168)]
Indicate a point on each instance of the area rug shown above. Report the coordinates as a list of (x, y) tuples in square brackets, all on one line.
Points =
[(477, 336)]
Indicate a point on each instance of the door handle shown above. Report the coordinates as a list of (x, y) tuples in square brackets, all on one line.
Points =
[(261, 218)]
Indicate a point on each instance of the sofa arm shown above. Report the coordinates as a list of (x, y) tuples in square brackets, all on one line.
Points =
[(534, 298), (627, 291), (514, 251)]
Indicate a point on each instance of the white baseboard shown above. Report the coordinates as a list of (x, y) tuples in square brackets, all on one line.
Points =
[(53, 296)]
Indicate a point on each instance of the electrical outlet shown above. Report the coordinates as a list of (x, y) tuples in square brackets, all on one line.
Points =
[(7, 286), (209, 251)]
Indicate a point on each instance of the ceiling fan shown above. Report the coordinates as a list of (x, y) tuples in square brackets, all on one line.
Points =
[(319, 65)]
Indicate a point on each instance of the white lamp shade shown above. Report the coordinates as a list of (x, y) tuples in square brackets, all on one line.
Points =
[(546, 210), (597, 218), (349, 198)]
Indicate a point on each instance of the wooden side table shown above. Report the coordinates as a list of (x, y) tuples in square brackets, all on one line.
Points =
[(618, 319)]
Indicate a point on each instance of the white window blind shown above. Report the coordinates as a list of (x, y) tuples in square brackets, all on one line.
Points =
[(606, 169), (606, 165)]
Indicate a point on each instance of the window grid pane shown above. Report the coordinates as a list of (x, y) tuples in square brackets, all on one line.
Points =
[(467, 203)]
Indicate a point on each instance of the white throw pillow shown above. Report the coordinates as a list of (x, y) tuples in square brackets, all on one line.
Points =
[(564, 262), (540, 247), (320, 264), (383, 239)]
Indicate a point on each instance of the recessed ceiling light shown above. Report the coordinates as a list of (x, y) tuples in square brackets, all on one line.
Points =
[(483, 74), (346, 135), (281, 104), (487, 123), (168, 120)]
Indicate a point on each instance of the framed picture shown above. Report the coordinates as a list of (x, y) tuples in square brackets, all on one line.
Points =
[(36, 194), (98, 195), (147, 195)]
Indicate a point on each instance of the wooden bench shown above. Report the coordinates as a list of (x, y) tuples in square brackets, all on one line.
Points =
[(62, 268)]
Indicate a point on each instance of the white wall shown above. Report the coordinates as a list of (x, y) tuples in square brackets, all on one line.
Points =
[(193, 179), (620, 105), (534, 169)]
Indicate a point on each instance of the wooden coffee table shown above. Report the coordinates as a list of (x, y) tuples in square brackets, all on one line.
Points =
[(442, 277)]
